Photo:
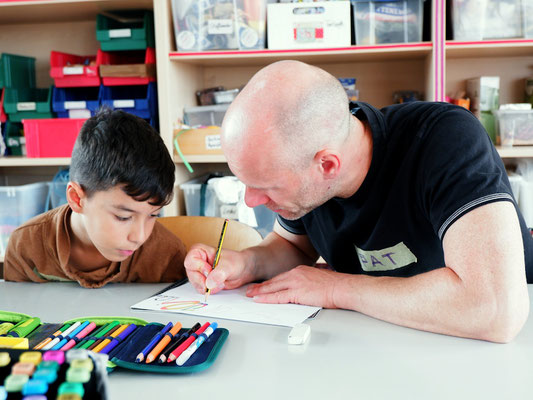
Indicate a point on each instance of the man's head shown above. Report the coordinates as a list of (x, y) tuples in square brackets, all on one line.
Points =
[(284, 136), (121, 175)]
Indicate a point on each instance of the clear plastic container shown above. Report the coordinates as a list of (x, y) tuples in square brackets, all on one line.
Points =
[(396, 21), (515, 127), (17, 205), (475, 20), (219, 24), (205, 115), (200, 199)]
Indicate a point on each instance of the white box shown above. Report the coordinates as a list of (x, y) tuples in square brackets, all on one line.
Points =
[(484, 94), (309, 25)]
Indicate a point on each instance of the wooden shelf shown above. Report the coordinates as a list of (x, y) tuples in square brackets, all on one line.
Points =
[(329, 55), (44, 11), (1, 258), (515, 152), (489, 48), (32, 162), (216, 158), (504, 152)]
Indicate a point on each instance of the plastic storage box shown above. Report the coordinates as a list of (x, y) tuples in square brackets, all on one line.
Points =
[(17, 205), (14, 139), (475, 20), (125, 30), (70, 70), (205, 115), (27, 103), (51, 137), (200, 199), (515, 127), (219, 24), (17, 71), (397, 21), (140, 100), (76, 102), (135, 67)]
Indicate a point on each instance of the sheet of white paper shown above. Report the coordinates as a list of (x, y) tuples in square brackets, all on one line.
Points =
[(227, 304)]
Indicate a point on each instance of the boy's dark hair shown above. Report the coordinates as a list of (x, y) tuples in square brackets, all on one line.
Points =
[(117, 148)]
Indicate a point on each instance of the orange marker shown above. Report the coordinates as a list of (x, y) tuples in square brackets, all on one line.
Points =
[(106, 341), (163, 343)]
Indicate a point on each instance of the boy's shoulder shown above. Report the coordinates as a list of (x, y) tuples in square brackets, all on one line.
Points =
[(46, 223)]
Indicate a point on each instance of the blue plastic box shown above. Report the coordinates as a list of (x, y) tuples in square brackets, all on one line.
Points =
[(140, 100), (67, 102)]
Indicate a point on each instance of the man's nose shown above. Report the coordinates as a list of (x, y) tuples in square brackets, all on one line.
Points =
[(255, 197)]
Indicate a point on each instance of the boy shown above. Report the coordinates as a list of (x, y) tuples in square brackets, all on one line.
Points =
[(121, 175)]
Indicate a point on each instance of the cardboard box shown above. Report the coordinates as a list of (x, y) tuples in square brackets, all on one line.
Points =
[(309, 25), (484, 94), (199, 141)]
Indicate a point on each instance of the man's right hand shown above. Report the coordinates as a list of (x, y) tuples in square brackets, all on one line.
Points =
[(230, 273)]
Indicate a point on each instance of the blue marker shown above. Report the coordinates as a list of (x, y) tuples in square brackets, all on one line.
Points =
[(153, 342), (70, 336), (182, 359)]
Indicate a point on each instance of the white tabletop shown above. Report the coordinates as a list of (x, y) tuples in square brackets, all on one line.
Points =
[(348, 356)]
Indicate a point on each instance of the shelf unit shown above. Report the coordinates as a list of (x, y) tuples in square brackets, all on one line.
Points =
[(436, 67)]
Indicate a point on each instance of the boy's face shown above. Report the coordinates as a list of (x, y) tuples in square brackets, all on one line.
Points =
[(114, 223)]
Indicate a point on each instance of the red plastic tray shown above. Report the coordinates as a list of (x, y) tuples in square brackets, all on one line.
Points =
[(69, 70)]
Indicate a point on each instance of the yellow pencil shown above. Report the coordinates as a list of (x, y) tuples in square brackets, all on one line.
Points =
[(217, 255), (104, 342)]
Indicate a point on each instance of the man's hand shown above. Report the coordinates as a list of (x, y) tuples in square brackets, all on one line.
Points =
[(230, 273), (302, 285)]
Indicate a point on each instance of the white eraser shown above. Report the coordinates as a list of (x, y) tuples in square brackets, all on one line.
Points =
[(299, 334)]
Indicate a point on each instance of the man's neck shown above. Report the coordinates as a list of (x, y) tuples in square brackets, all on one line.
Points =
[(358, 158)]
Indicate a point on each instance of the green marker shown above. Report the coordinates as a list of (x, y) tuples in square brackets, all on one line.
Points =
[(5, 327), (100, 333), (24, 328)]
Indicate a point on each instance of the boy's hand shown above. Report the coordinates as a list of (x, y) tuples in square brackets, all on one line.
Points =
[(229, 274)]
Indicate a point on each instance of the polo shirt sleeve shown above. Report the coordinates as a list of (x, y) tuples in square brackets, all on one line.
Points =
[(293, 226), (460, 169)]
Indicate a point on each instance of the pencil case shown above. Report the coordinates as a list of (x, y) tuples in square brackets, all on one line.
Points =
[(125, 352)]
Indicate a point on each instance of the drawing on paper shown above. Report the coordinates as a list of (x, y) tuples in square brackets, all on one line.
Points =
[(181, 305)]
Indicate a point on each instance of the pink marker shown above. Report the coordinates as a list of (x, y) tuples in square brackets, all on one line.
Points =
[(80, 335)]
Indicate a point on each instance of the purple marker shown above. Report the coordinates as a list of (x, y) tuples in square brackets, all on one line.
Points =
[(115, 341)]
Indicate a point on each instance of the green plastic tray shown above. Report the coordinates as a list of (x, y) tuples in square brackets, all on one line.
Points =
[(17, 71), (129, 30)]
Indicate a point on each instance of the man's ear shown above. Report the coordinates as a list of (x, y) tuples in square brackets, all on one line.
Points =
[(328, 163), (75, 196)]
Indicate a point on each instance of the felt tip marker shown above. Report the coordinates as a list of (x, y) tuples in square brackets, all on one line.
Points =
[(182, 359), (176, 342), (181, 348)]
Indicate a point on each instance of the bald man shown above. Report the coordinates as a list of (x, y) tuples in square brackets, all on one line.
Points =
[(410, 206)]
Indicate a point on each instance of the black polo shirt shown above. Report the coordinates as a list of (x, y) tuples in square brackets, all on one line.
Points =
[(431, 164)]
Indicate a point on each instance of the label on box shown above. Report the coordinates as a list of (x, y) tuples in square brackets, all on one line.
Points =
[(75, 105), (220, 27), (229, 211), (123, 103), (79, 114), (312, 32), (27, 106), (119, 33), (73, 70), (212, 142)]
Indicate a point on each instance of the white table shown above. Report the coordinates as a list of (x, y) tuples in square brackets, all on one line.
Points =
[(348, 356)]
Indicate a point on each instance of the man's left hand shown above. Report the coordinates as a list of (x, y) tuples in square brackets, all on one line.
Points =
[(301, 285)]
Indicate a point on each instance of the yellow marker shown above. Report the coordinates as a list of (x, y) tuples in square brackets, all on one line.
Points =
[(5, 359), (105, 342), (5, 327), (33, 357), (14, 343)]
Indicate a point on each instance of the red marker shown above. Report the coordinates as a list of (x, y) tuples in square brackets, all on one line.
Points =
[(181, 348)]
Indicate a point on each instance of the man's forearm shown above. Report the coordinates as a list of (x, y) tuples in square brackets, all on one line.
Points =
[(274, 256), (436, 301)]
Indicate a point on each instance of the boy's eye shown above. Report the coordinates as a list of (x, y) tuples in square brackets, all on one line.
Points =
[(154, 215), (122, 218)]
